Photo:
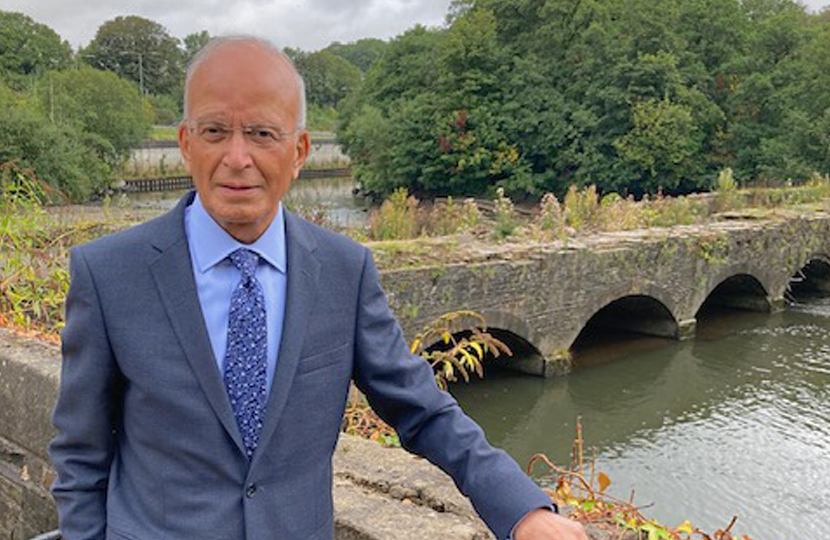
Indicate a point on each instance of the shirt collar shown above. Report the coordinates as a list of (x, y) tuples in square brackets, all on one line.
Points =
[(212, 244)]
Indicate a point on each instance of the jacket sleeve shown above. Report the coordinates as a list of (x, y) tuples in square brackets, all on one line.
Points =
[(429, 422), (83, 448)]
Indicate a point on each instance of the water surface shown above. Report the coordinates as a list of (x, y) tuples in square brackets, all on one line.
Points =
[(735, 422)]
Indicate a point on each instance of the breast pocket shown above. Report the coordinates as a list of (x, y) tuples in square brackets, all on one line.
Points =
[(331, 357)]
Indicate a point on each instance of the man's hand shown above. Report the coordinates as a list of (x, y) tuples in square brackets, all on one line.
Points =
[(542, 524)]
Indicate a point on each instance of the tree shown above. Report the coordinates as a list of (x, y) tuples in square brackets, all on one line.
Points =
[(193, 43), (661, 148), (630, 95), (137, 49), (362, 53), (60, 154), (29, 48), (328, 77), (107, 108)]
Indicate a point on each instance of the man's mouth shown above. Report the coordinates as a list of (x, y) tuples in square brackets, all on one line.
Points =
[(238, 187)]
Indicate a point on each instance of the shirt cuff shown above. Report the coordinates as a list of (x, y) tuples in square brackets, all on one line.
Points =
[(552, 507)]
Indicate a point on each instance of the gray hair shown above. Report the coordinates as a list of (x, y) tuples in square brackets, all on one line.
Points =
[(218, 42)]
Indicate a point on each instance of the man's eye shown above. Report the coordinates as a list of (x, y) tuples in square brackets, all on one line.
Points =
[(264, 134), (213, 132)]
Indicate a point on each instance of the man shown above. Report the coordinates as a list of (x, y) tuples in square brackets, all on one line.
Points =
[(208, 353)]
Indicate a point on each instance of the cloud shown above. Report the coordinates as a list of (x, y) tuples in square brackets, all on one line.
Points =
[(308, 24)]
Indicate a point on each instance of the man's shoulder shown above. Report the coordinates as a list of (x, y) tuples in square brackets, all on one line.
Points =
[(328, 243), (136, 240)]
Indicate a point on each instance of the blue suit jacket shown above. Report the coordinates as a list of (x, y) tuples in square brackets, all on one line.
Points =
[(147, 445)]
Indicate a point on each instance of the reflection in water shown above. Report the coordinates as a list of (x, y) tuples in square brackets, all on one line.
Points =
[(735, 422)]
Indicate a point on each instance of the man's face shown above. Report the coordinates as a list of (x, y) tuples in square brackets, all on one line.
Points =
[(239, 181)]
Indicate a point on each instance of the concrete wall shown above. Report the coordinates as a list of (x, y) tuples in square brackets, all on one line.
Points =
[(150, 156)]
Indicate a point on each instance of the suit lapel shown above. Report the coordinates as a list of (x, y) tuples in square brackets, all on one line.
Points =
[(173, 274), (303, 271)]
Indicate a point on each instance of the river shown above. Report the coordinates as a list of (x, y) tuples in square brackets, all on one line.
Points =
[(734, 422)]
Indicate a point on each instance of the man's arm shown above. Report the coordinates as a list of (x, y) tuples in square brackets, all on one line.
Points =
[(402, 389), (83, 448)]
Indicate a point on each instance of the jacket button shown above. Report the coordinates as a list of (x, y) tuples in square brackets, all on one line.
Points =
[(251, 491)]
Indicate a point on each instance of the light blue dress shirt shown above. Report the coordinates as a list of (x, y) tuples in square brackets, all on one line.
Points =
[(216, 277)]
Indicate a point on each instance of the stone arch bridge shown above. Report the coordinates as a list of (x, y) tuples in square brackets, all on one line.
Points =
[(654, 282)]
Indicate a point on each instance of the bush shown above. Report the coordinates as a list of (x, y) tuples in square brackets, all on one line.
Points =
[(107, 108), (61, 155), (581, 206), (166, 109), (396, 219)]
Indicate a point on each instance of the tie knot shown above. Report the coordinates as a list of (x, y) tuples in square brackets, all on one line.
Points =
[(246, 260)]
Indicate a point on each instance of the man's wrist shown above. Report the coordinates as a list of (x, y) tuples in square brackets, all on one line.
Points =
[(552, 507)]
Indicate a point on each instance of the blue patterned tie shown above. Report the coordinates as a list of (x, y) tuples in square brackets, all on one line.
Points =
[(245, 356)]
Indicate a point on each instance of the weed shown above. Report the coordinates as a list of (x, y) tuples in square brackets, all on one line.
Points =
[(506, 221), (551, 217), (727, 197), (396, 219), (581, 207)]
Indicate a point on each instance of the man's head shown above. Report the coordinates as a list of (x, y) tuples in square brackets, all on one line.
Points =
[(243, 137)]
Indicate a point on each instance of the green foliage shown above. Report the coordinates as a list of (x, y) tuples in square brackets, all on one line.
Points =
[(662, 147), (328, 77), (319, 118), (32, 287), (140, 50), (363, 53), (634, 96), (29, 48), (62, 154), (726, 188), (402, 216), (456, 345), (506, 222), (107, 108), (193, 43), (166, 109), (396, 219), (450, 217), (551, 216), (581, 206), (164, 133)]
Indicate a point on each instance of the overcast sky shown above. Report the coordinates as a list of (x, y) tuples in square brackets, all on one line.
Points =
[(308, 24)]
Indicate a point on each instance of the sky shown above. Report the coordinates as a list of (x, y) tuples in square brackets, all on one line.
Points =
[(307, 24)]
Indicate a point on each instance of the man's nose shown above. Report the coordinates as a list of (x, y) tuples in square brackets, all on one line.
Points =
[(237, 152)]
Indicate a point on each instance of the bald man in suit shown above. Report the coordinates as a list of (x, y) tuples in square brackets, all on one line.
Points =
[(208, 353)]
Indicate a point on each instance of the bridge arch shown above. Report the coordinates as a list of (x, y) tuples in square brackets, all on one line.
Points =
[(810, 276), (633, 313), (740, 286)]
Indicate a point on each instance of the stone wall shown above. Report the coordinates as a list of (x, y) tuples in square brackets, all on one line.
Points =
[(547, 293)]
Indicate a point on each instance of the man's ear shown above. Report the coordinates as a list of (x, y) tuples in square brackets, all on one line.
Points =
[(185, 139), (301, 151)]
